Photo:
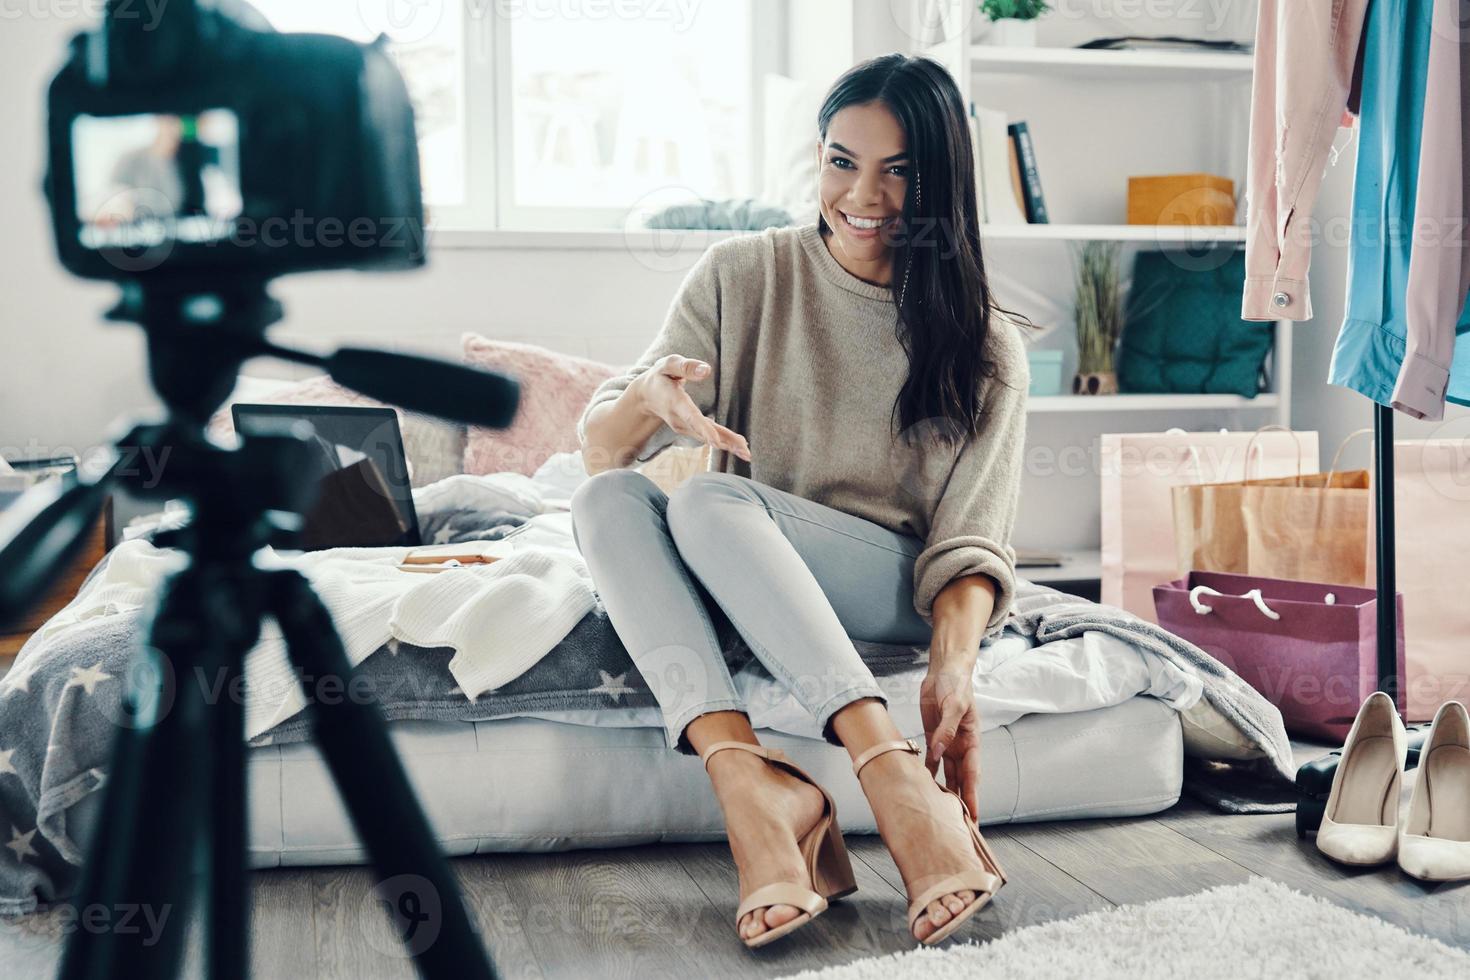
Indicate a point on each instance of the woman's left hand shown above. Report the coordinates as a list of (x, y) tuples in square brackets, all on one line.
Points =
[(952, 725)]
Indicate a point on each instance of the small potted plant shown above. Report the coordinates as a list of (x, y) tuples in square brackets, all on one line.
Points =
[(1013, 22), (1099, 313)]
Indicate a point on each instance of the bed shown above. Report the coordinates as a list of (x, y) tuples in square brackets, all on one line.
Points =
[(1078, 722)]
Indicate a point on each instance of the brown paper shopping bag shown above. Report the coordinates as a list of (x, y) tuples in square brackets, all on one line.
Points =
[(1431, 489), (1305, 527), (1139, 469)]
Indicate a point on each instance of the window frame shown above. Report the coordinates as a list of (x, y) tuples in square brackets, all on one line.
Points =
[(489, 150)]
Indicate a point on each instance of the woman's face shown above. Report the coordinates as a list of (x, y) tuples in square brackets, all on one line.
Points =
[(862, 177)]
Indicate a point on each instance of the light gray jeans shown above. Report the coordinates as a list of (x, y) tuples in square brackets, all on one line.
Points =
[(799, 581)]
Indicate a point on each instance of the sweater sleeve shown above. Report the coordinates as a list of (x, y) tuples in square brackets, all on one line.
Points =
[(690, 329), (971, 529)]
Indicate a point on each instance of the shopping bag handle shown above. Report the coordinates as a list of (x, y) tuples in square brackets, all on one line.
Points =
[(1340, 447), (1192, 451), (1254, 595), (1250, 447)]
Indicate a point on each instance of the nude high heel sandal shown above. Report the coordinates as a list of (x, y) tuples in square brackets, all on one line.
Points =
[(983, 883), (1435, 842), (1360, 823), (822, 847)]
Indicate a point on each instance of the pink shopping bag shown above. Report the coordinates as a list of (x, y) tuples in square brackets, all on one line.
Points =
[(1139, 471), (1310, 648), (1432, 540)]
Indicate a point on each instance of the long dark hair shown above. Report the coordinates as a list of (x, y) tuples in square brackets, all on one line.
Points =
[(940, 289)]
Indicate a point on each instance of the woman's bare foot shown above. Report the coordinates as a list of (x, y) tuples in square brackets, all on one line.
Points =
[(766, 812), (923, 832)]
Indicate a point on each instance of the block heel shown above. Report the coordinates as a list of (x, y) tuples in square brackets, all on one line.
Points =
[(983, 883), (822, 847)]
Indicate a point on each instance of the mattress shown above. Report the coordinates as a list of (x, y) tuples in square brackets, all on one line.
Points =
[(528, 784)]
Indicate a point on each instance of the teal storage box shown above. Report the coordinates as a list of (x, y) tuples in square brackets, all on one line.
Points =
[(1182, 331), (1046, 372)]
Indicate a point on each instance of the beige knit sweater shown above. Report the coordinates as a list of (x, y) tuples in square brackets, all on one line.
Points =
[(807, 367)]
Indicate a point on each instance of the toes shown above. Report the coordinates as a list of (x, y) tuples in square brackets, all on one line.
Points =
[(752, 925), (954, 904), (779, 915), (938, 914)]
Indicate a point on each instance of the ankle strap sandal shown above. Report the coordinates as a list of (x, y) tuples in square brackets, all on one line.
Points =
[(822, 848), (983, 883)]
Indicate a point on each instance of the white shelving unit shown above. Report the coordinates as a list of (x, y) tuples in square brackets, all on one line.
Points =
[(1075, 63), (1157, 234), (1065, 95)]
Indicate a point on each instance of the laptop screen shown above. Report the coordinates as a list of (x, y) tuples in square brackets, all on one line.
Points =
[(345, 435)]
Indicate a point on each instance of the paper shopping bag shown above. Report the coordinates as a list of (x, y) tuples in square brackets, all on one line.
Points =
[(1307, 527), (1310, 648), (1432, 539), (1139, 469)]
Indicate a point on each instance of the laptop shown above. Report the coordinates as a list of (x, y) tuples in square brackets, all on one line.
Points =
[(347, 438)]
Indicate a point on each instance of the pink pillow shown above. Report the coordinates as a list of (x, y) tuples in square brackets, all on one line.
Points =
[(555, 388)]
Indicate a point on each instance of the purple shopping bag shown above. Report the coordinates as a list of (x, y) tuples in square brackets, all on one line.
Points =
[(1308, 647)]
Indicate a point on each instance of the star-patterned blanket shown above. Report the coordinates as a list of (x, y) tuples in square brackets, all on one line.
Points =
[(58, 711)]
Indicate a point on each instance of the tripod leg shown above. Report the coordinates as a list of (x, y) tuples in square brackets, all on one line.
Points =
[(385, 812), (142, 855), (227, 938)]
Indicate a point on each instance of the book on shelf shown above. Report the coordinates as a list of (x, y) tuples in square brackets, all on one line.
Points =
[(996, 196), (1032, 199)]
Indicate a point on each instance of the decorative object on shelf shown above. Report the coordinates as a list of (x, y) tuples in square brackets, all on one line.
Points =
[(1181, 199), (1012, 22), (998, 198), (1030, 179), (1046, 372), (1099, 315), (1164, 42), (1219, 353)]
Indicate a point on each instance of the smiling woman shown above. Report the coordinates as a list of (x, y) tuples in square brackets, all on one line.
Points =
[(825, 518)]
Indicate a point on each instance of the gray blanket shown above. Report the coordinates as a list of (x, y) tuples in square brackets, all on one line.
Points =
[(57, 710)]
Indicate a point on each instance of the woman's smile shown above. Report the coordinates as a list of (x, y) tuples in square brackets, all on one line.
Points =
[(864, 226)]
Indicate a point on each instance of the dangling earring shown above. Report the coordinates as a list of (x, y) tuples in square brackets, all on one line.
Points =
[(909, 260)]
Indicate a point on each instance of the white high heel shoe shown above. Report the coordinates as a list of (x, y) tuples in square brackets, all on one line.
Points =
[(1435, 842), (1360, 825)]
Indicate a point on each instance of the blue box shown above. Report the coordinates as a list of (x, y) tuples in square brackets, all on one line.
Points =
[(1046, 372)]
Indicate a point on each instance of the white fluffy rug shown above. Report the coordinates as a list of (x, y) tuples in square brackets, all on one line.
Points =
[(1258, 929)]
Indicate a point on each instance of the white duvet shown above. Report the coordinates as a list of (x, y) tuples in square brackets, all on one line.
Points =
[(1013, 675)]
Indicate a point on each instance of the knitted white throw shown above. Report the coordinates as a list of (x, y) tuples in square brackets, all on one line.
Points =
[(500, 619)]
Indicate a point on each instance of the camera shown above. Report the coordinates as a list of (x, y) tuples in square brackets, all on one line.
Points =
[(207, 144)]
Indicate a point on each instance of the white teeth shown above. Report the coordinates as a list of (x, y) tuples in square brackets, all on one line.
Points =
[(866, 223)]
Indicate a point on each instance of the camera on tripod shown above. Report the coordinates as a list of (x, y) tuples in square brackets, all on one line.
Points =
[(183, 151), (174, 146)]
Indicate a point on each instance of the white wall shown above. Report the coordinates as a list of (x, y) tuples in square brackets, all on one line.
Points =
[(65, 376)]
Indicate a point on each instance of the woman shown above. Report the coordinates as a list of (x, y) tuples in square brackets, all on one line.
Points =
[(866, 417)]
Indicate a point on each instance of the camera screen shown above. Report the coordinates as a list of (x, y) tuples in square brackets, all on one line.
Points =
[(146, 180)]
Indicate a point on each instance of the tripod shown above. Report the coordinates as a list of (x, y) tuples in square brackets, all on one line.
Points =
[(172, 820)]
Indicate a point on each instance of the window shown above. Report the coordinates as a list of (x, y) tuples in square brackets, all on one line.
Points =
[(562, 114)]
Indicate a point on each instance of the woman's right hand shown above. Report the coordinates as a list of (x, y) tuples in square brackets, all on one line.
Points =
[(662, 394)]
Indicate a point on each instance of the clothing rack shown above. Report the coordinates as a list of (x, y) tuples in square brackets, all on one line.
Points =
[(1388, 668)]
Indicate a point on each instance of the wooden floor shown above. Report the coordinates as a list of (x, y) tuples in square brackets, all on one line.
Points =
[(665, 911)]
